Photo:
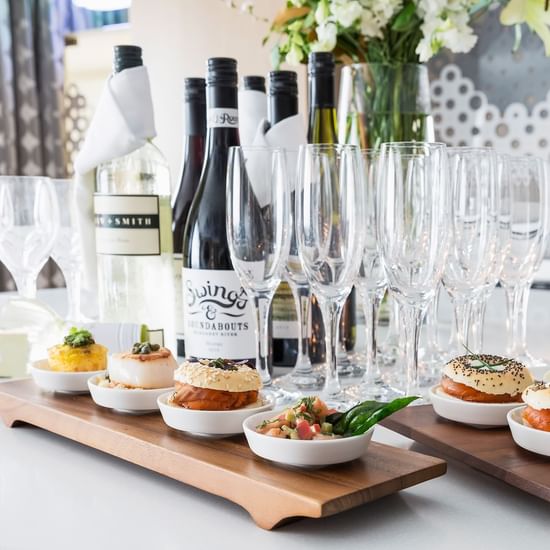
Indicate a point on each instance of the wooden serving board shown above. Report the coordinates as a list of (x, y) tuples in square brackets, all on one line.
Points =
[(492, 451), (224, 467)]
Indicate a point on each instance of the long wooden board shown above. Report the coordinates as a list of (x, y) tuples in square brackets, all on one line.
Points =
[(224, 467), (492, 451)]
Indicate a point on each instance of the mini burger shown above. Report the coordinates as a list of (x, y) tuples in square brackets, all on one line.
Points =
[(537, 412), (215, 385), (485, 379), (146, 366)]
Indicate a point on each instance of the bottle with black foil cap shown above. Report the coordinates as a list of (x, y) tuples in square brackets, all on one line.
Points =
[(193, 157), (134, 232), (254, 82), (322, 129), (218, 318)]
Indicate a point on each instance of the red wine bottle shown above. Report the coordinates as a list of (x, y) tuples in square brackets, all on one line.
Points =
[(194, 112), (218, 317), (283, 103)]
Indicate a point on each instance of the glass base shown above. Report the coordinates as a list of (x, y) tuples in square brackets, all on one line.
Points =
[(296, 381), (279, 396), (374, 392)]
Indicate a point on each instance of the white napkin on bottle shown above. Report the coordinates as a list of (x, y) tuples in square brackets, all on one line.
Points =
[(287, 134), (252, 112), (123, 121)]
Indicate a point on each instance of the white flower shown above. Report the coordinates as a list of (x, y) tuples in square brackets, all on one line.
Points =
[(346, 13), (294, 56), (322, 13), (370, 26), (376, 15), (326, 38), (424, 50)]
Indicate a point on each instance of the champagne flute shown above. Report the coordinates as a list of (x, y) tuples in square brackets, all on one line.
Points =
[(329, 205), (258, 235), (412, 219), (67, 252), (29, 223), (528, 240), (475, 208)]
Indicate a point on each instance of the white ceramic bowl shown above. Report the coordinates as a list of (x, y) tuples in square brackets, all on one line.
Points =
[(64, 382), (536, 441), (208, 423), (298, 453), (136, 401), (478, 415)]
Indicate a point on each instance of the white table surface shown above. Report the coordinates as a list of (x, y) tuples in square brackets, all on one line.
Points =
[(57, 494)]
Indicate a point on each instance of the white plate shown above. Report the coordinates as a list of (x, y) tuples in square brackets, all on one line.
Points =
[(126, 400), (64, 382), (536, 441), (208, 423), (302, 454), (478, 415)]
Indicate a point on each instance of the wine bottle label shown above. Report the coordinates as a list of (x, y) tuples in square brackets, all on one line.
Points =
[(221, 117), (178, 265), (285, 322), (218, 318), (127, 225)]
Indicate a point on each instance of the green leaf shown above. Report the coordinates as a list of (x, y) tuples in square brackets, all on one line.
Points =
[(78, 338), (404, 18)]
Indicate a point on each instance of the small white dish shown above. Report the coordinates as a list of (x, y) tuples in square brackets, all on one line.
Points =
[(536, 441), (127, 400), (59, 381), (303, 454), (208, 423), (478, 415)]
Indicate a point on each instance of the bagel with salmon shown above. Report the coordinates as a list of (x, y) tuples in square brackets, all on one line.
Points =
[(485, 379), (537, 412), (215, 385)]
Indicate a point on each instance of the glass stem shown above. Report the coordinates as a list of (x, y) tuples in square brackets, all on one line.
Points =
[(73, 283), (432, 341), (371, 304), (511, 293), (522, 304), (26, 285), (262, 302), (412, 319), (302, 299), (462, 319), (331, 311)]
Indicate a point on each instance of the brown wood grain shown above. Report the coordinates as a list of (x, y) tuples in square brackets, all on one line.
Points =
[(492, 451), (224, 467)]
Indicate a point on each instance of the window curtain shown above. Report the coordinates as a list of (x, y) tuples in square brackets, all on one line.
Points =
[(31, 100)]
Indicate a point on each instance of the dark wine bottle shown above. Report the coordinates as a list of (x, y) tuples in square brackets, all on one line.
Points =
[(283, 103), (254, 82), (322, 129), (194, 112), (218, 318)]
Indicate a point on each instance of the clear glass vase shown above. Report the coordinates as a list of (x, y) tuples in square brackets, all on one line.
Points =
[(380, 103)]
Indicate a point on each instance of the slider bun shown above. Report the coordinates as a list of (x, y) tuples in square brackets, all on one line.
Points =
[(537, 396), (202, 375), (510, 378), (148, 371)]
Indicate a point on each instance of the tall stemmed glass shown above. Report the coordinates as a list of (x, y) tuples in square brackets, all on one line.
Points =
[(303, 376), (371, 285), (528, 240), (29, 222), (67, 252), (502, 243), (474, 237), (329, 221), (258, 234), (412, 218)]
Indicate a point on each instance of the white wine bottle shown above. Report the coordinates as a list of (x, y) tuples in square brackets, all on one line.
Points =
[(218, 318), (134, 234)]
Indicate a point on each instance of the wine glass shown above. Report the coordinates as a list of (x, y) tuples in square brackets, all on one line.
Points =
[(258, 204), (329, 218), (303, 375), (29, 223), (528, 240), (67, 251), (412, 219), (474, 218), (502, 243), (371, 284)]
